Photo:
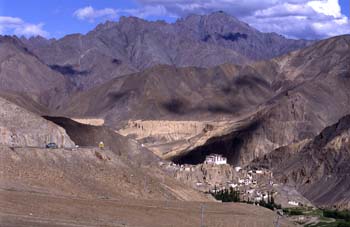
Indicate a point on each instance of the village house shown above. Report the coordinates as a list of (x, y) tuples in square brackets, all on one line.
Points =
[(293, 203), (233, 185)]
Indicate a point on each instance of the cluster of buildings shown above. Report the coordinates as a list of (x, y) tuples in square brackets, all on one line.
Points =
[(215, 174), (253, 185), (214, 159)]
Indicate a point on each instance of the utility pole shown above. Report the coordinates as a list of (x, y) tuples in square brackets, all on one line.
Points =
[(202, 215), (276, 222), (146, 185)]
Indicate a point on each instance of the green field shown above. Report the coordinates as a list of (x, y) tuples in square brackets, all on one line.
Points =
[(325, 218)]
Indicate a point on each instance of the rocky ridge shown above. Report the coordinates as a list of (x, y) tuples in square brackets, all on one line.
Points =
[(118, 48), (21, 128), (317, 168)]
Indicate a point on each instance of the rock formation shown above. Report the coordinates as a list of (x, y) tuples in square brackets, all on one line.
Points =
[(319, 167), (21, 128)]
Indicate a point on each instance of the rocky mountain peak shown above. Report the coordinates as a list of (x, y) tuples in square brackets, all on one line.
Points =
[(14, 42), (134, 44), (104, 26), (215, 23), (9, 39), (36, 41)]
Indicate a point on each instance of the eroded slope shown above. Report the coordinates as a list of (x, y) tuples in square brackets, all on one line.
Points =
[(318, 168)]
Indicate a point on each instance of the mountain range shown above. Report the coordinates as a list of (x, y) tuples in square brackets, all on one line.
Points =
[(180, 91), (132, 44)]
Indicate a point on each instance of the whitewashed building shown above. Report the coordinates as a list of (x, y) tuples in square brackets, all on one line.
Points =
[(216, 159), (293, 203), (233, 185)]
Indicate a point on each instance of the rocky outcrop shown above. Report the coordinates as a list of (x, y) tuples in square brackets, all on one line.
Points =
[(318, 168), (169, 139), (21, 128)]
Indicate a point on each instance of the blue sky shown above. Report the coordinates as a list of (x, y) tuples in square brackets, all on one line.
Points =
[(56, 18)]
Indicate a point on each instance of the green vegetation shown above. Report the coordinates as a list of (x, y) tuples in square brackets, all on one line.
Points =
[(336, 223), (226, 195), (307, 211), (344, 215), (270, 203), (330, 218), (343, 224), (232, 195), (342, 218), (296, 212), (327, 218)]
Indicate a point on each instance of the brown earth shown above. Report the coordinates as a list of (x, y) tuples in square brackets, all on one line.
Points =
[(88, 173), (31, 209)]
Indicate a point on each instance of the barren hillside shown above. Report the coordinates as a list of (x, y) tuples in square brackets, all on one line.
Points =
[(21, 128), (24, 74), (298, 94), (318, 168), (23, 209)]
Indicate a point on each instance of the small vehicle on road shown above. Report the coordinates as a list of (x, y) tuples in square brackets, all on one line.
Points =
[(51, 146)]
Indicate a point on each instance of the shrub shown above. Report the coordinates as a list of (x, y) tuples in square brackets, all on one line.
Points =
[(345, 214), (98, 155), (226, 195), (343, 224), (295, 212)]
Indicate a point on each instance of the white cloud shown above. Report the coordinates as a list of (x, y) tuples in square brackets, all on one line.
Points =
[(236, 7), (149, 11), (16, 26), (10, 20), (329, 8), (310, 20), (90, 14), (293, 18)]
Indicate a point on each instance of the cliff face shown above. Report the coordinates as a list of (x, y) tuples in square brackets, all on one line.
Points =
[(21, 128), (318, 168)]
